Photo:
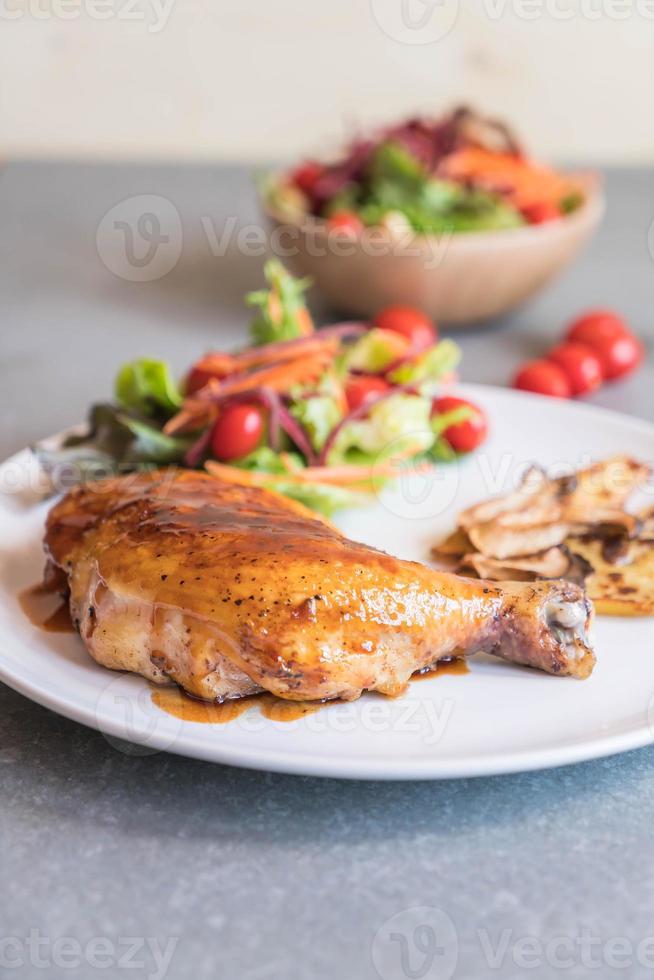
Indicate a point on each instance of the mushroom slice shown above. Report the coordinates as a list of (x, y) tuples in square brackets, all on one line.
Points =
[(495, 541), (533, 482), (602, 522), (605, 485), (553, 563), (454, 546), (626, 589)]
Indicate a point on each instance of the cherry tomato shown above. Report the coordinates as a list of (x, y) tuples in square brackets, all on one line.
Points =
[(464, 436), (413, 324), (580, 364), (596, 325), (619, 355), (537, 214), (363, 388), (346, 223), (306, 175), (196, 379), (544, 378), (237, 432)]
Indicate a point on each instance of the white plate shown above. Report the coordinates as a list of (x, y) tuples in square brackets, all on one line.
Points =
[(497, 719)]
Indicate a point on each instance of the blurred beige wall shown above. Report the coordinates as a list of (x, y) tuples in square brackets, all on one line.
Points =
[(266, 79)]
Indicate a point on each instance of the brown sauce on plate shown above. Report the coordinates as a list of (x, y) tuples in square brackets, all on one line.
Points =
[(174, 701), (455, 665), (46, 609)]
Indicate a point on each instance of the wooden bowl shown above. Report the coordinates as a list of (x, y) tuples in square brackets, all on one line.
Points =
[(458, 279)]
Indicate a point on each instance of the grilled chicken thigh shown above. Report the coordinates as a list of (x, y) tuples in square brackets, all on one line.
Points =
[(228, 590)]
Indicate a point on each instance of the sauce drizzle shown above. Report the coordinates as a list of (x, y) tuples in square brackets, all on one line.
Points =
[(174, 701), (178, 703), (453, 665), (46, 609)]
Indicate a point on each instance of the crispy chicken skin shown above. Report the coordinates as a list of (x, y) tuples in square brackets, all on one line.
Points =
[(228, 590)]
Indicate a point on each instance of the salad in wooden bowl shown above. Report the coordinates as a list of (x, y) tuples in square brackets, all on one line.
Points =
[(450, 214)]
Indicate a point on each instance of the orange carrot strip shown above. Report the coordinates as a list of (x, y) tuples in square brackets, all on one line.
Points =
[(520, 180), (188, 419), (279, 377)]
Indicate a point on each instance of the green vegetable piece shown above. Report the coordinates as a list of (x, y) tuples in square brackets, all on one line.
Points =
[(317, 415), (372, 352), (150, 444), (400, 423), (430, 366), (147, 386), (280, 309), (392, 163)]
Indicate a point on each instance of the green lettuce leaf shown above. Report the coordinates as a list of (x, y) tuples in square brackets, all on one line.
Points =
[(278, 307), (439, 360), (372, 352), (393, 165), (322, 497), (325, 498), (318, 416), (147, 387), (397, 182), (400, 423), (266, 460), (151, 445)]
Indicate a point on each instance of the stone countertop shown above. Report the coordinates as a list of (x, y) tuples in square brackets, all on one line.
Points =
[(178, 868)]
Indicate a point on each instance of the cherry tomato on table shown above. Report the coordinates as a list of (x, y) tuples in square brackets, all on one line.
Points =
[(619, 355), (596, 325), (236, 432), (581, 366), (413, 324), (363, 388), (543, 378), (464, 436), (346, 223)]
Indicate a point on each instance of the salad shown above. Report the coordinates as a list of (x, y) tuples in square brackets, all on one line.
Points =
[(323, 416), (460, 173)]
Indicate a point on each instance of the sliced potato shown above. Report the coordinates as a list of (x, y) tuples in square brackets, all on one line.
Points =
[(624, 589), (574, 527)]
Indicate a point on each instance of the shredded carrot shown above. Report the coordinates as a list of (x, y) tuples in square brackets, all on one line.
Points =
[(346, 475), (188, 419), (223, 364), (521, 181), (279, 377), (305, 322)]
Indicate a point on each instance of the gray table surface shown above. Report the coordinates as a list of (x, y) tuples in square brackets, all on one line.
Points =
[(241, 874)]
